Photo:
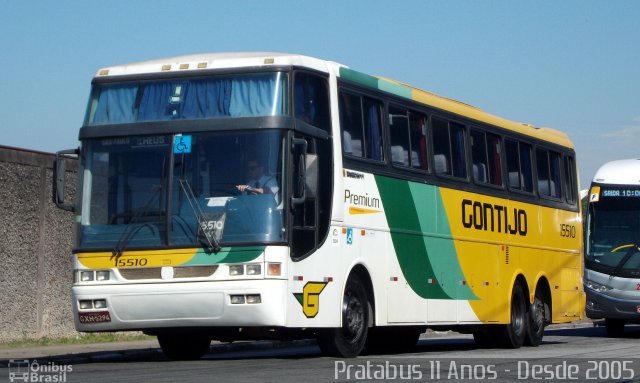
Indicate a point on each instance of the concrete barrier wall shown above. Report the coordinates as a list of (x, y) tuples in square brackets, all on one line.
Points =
[(36, 239)]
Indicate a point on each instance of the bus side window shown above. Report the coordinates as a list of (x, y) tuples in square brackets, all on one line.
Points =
[(548, 166), (519, 170), (361, 124), (569, 180), (351, 124), (418, 132), (399, 132), (449, 149), (311, 100)]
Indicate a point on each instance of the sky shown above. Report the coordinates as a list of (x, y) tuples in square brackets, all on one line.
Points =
[(573, 65)]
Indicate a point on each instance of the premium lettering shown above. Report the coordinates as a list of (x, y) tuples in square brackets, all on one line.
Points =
[(361, 200)]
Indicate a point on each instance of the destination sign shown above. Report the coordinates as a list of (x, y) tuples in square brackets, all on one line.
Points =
[(624, 193)]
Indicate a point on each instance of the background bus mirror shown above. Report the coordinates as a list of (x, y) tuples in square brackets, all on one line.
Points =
[(299, 171), (59, 180)]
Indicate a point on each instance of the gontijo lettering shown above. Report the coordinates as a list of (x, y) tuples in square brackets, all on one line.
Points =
[(489, 217)]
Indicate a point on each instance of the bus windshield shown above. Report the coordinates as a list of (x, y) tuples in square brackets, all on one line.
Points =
[(613, 234), (239, 95), (182, 190)]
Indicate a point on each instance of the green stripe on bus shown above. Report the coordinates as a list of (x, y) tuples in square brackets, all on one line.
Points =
[(396, 89), (443, 257), (358, 77), (422, 239), (227, 255), (407, 238)]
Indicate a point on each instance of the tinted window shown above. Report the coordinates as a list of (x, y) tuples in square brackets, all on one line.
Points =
[(548, 167), (361, 122), (570, 180), (485, 150), (418, 132), (519, 174), (311, 100), (448, 148), (399, 133)]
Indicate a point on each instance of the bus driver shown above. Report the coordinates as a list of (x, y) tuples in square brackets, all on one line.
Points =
[(259, 183)]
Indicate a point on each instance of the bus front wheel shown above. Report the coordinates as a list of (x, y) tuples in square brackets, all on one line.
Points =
[(349, 340)]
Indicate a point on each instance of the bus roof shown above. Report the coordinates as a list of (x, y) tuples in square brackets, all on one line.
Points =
[(215, 61), (258, 59), (620, 172)]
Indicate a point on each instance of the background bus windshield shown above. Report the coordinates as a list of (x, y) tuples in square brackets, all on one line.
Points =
[(614, 223)]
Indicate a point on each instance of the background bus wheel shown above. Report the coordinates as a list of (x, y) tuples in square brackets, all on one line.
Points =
[(535, 328), (348, 341), (514, 333), (615, 327), (184, 346)]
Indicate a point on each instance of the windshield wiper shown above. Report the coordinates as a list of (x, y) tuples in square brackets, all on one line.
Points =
[(134, 227), (212, 243), (624, 260)]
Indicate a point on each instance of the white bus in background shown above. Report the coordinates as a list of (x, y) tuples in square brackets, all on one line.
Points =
[(612, 248)]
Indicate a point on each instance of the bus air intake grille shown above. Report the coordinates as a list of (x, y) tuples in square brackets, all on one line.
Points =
[(195, 271), (178, 272)]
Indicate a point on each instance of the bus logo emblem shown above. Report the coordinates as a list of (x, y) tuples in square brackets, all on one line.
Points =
[(309, 298)]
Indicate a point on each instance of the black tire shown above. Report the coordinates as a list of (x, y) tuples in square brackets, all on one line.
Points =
[(615, 327), (349, 340), (512, 335), (392, 339), (537, 322), (184, 346)]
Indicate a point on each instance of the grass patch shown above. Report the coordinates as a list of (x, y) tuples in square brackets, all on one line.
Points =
[(100, 337)]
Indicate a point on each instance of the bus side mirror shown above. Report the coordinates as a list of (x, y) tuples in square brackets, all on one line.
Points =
[(299, 149), (59, 172)]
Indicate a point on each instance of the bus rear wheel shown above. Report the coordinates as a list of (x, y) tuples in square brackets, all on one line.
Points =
[(513, 334), (537, 322), (184, 346), (349, 340)]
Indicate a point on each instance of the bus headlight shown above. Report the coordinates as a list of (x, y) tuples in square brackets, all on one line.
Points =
[(236, 270), (86, 276), (102, 275), (254, 269)]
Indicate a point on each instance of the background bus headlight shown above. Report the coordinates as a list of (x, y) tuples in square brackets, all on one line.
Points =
[(236, 270), (596, 286)]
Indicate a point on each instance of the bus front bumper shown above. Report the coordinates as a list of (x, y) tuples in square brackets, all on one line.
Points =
[(601, 306), (177, 305)]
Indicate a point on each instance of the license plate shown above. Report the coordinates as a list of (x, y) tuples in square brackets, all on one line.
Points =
[(95, 317)]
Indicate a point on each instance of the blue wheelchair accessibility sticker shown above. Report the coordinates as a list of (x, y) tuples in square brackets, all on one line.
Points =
[(182, 144), (349, 236)]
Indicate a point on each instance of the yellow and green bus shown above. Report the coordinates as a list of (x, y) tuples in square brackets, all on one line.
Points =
[(264, 195)]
